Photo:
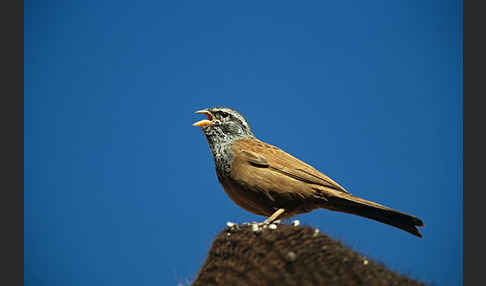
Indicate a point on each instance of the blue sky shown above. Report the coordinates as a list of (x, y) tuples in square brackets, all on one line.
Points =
[(120, 189)]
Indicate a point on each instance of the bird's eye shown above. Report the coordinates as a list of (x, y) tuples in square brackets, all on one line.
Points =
[(224, 114)]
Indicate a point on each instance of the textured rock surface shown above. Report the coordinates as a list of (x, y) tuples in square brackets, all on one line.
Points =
[(288, 255)]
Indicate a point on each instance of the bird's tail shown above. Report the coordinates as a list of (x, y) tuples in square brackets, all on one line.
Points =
[(348, 203)]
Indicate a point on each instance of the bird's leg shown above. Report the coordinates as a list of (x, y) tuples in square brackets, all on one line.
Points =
[(274, 216)]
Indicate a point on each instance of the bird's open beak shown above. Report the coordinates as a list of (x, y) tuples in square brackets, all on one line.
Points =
[(204, 122)]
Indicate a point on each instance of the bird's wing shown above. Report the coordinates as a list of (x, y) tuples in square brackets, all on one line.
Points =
[(262, 155)]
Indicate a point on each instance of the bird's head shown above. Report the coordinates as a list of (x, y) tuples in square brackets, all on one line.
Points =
[(223, 123)]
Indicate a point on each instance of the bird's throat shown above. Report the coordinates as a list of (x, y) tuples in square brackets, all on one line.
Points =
[(221, 145)]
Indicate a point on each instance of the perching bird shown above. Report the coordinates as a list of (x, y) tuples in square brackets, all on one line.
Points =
[(267, 181)]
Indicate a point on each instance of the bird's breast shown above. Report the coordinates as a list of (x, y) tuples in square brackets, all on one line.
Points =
[(248, 198)]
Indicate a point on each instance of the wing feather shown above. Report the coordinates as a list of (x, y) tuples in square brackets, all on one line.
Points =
[(263, 155)]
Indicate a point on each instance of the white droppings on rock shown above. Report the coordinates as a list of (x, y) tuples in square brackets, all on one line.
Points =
[(291, 256), (316, 232), (296, 222), (365, 262), (272, 226), (255, 228), (228, 234)]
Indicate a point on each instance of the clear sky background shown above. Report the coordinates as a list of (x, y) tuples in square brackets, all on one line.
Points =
[(120, 189)]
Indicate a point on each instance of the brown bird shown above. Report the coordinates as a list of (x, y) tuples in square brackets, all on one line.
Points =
[(267, 181)]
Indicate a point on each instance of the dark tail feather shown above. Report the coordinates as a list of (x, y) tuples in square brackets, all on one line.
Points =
[(350, 204)]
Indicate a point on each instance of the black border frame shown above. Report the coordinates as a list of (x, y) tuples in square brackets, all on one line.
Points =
[(12, 122)]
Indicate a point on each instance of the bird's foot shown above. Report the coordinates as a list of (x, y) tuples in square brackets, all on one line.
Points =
[(273, 217)]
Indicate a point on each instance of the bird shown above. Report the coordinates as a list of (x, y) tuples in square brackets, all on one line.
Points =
[(265, 180)]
